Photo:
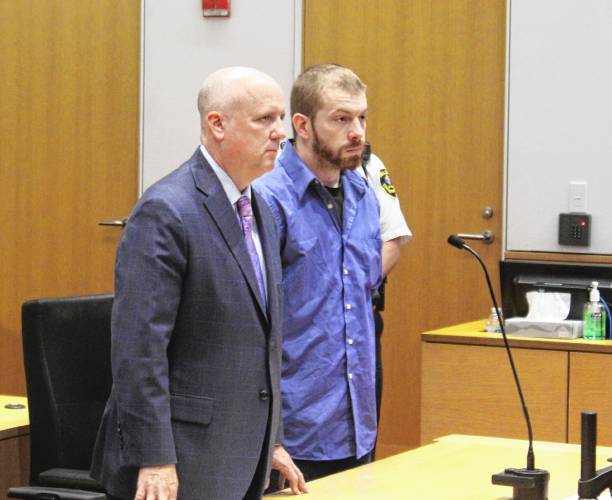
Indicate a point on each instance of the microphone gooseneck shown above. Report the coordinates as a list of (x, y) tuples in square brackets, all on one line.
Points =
[(530, 455), (538, 479)]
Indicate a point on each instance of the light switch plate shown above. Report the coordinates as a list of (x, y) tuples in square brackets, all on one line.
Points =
[(577, 196)]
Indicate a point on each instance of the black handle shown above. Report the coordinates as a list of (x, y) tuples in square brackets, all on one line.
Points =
[(588, 440)]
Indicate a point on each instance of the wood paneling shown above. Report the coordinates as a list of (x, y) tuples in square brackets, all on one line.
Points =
[(14, 462), (590, 389), (470, 390), (435, 73), (69, 153)]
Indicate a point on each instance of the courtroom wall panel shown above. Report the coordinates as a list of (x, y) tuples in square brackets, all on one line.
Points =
[(69, 152)]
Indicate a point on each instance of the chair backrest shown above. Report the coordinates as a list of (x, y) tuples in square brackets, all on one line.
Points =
[(66, 346)]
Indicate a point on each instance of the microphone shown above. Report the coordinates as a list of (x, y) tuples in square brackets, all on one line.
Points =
[(528, 483), (457, 242)]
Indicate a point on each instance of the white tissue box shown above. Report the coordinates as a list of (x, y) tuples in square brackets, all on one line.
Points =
[(563, 329)]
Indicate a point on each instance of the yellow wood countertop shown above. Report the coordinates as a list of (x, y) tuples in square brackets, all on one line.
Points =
[(458, 467), (13, 422), (473, 333)]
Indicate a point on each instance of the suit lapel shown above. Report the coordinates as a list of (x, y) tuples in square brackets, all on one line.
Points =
[(223, 214)]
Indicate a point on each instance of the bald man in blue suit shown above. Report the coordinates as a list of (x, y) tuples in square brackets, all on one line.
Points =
[(194, 412)]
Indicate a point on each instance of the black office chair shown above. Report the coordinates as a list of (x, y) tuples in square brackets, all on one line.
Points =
[(66, 346)]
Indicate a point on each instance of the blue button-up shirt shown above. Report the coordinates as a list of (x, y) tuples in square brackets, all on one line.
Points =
[(329, 272)]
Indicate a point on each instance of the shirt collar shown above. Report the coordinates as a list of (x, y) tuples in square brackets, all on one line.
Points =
[(296, 169), (232, 192)]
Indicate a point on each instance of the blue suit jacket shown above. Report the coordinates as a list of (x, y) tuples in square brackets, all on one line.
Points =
[(196, 358)]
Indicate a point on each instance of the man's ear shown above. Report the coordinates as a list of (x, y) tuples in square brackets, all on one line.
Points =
[(215, 124), (302, 125)]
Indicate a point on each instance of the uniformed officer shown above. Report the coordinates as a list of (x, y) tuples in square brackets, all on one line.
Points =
[(394, 232)]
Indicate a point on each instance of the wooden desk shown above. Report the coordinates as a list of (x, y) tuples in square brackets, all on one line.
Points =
[(467, 385), (458, 467), (14, 444)]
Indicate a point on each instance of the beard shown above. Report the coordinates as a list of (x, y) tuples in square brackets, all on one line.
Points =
[(325, 152)]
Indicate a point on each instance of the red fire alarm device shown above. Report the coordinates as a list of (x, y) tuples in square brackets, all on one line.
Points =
[(216, 8)]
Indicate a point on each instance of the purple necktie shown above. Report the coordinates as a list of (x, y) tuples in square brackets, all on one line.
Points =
[(246, 220)]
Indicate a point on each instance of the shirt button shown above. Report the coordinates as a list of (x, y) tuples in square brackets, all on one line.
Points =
[(263, 395), (350, 375), (350, 341), (330, 206), (348, 307), (345, 271)]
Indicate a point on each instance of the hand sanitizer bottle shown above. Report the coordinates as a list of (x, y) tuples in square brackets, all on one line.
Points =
[(594, 316), (493, 325)]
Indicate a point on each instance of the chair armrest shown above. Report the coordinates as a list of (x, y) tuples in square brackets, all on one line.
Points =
[(68, 478), (40, 493)]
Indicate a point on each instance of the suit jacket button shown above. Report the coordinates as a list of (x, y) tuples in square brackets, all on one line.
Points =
[(263, 395)]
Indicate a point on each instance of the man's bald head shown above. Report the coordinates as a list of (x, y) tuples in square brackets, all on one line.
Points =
[(225, 88)]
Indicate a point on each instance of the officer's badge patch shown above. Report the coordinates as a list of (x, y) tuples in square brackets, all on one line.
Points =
[(385, 182)]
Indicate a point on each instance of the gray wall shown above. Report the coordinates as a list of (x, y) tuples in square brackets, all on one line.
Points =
[(180, 47), (559, 120)]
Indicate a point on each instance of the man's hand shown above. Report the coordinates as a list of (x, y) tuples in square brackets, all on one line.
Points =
[(288, 471), (157, 483)]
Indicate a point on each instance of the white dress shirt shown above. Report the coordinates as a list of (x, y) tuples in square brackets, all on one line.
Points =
[(233, 194)]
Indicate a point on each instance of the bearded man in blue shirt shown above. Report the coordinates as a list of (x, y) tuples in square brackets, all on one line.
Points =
[(327, 220)]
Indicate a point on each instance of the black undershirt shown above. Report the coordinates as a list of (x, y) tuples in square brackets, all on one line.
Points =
[(337, 193)]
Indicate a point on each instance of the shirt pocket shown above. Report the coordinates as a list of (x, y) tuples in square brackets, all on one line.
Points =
[(191, 409), (297, 261), (297, 249)]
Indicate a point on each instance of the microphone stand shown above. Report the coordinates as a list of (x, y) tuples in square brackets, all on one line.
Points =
[(528, 483), (592, 482)]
